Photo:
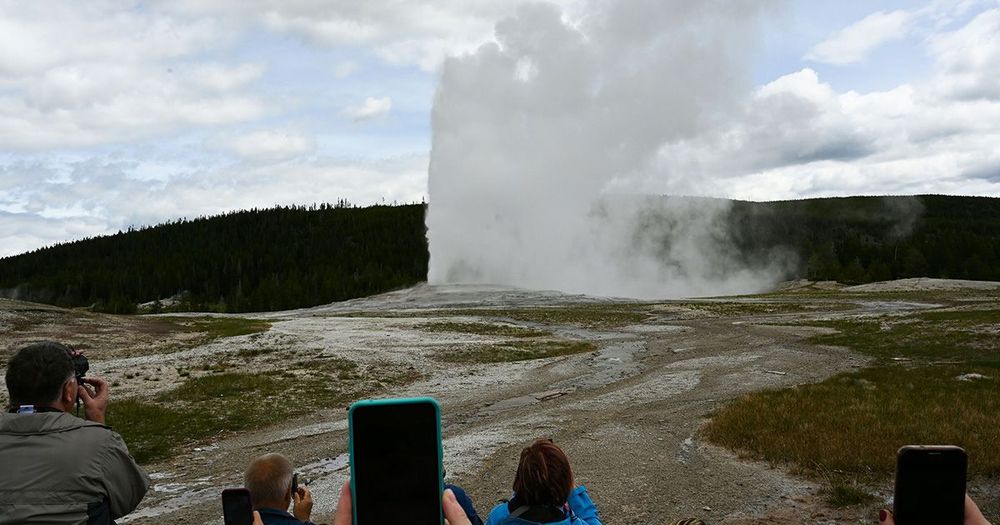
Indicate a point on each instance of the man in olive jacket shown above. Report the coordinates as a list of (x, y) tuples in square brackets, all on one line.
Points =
[(58, 468)]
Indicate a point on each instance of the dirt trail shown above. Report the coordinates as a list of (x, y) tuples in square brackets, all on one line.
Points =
[(627, 414)]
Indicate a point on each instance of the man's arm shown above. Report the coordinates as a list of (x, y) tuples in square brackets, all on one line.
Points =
[(125, 482)]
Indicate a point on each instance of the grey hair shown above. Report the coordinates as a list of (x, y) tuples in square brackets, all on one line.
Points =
[(269, 478)]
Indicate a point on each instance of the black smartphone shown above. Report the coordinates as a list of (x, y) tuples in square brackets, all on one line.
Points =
[(295, 485), (396, 465), (237, 508), (930, 485)]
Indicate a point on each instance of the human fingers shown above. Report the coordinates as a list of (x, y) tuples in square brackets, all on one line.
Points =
[(453, 512), (100, 385), (344, 514), (85, 393), (256, 519), (885, 517), (973, 516)]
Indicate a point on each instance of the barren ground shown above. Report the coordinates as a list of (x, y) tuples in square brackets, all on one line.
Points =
[(628, 413)]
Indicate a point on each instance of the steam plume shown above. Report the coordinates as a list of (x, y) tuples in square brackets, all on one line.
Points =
[(540, 137)]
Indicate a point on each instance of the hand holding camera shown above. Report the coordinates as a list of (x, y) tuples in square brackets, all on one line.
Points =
[(91, 391), (94, 396)]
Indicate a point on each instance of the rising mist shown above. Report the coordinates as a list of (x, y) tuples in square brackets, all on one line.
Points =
[(539, 139)]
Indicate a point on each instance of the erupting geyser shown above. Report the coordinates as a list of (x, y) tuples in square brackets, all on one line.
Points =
[(545, 140)]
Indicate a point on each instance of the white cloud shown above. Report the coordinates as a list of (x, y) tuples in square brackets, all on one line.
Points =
[(854, 42), (372, 108), (969, 58), (345, 69), (401, 33), (268, 145), (78, 74)]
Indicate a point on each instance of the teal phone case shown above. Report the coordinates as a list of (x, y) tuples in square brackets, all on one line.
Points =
[(396, 401)]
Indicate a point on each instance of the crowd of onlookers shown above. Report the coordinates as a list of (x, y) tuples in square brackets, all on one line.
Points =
[(58, 468)]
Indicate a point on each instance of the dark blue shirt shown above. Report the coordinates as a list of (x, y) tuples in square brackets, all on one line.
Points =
[(279, 517)]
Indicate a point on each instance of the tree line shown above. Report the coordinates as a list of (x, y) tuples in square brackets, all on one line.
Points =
[(297, 256), (865, 239), (254, 260)]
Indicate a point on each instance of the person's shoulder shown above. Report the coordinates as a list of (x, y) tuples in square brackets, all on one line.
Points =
[(498, 514)]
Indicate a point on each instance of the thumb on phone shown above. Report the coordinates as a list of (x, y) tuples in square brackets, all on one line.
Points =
[(453, 512)]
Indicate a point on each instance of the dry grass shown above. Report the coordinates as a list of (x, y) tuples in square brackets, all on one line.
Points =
[(596, 316), (515, 351), (216, 405), (487, 329), (853, 423)]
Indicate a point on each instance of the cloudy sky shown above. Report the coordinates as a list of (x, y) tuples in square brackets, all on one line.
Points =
[(131, 113)]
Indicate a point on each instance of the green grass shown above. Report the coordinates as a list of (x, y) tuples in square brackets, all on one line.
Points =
[(965, 335), (596, 316), (515, 351), (488, 329), (219, 327), (854, 422), (845, 495), (216, 405), (744, 308)]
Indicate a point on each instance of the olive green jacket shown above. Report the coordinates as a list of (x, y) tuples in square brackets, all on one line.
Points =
[(57, 468)]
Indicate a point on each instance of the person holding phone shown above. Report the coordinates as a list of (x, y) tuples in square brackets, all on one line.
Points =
[(544, 491), (270, 480), (344, 514), (930, 487), (973, 516)]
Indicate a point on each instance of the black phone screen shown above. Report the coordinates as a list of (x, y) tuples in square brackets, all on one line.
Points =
[(396, 465), (930, 486), (236, 507)]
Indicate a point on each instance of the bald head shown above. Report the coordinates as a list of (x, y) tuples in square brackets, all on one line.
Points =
[(269, 480)]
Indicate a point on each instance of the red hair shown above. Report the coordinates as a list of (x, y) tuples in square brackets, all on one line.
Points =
[(544, 476)]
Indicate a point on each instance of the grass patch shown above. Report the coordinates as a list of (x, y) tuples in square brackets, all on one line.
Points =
[(220, 404), (743, 308), (844, 495), (219, 327), (488, 329), (516, 351), (964, 335), (597, 316), (853, 423)]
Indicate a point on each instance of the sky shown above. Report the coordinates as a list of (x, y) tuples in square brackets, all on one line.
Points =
[(117, 114)]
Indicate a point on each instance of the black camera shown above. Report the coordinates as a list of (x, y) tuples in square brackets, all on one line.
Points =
[(80, 365)]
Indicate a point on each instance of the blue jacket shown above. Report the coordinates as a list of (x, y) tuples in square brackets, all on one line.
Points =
[(582, 512)]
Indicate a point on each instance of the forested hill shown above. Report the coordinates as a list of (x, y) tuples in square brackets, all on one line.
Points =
[(273, 259), (293, 257), (865, 239)]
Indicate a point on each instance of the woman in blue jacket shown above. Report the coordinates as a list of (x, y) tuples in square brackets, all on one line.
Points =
[(544, 491)]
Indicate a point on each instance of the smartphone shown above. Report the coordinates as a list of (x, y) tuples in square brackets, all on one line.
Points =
[(295, 485), (396, 461), (930, 485), (236, 507)]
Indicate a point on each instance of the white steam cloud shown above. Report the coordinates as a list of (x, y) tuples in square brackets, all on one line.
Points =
[(537, 135)]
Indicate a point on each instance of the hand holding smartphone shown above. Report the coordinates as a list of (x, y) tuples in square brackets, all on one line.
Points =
[(930, 485), (396, 461)]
